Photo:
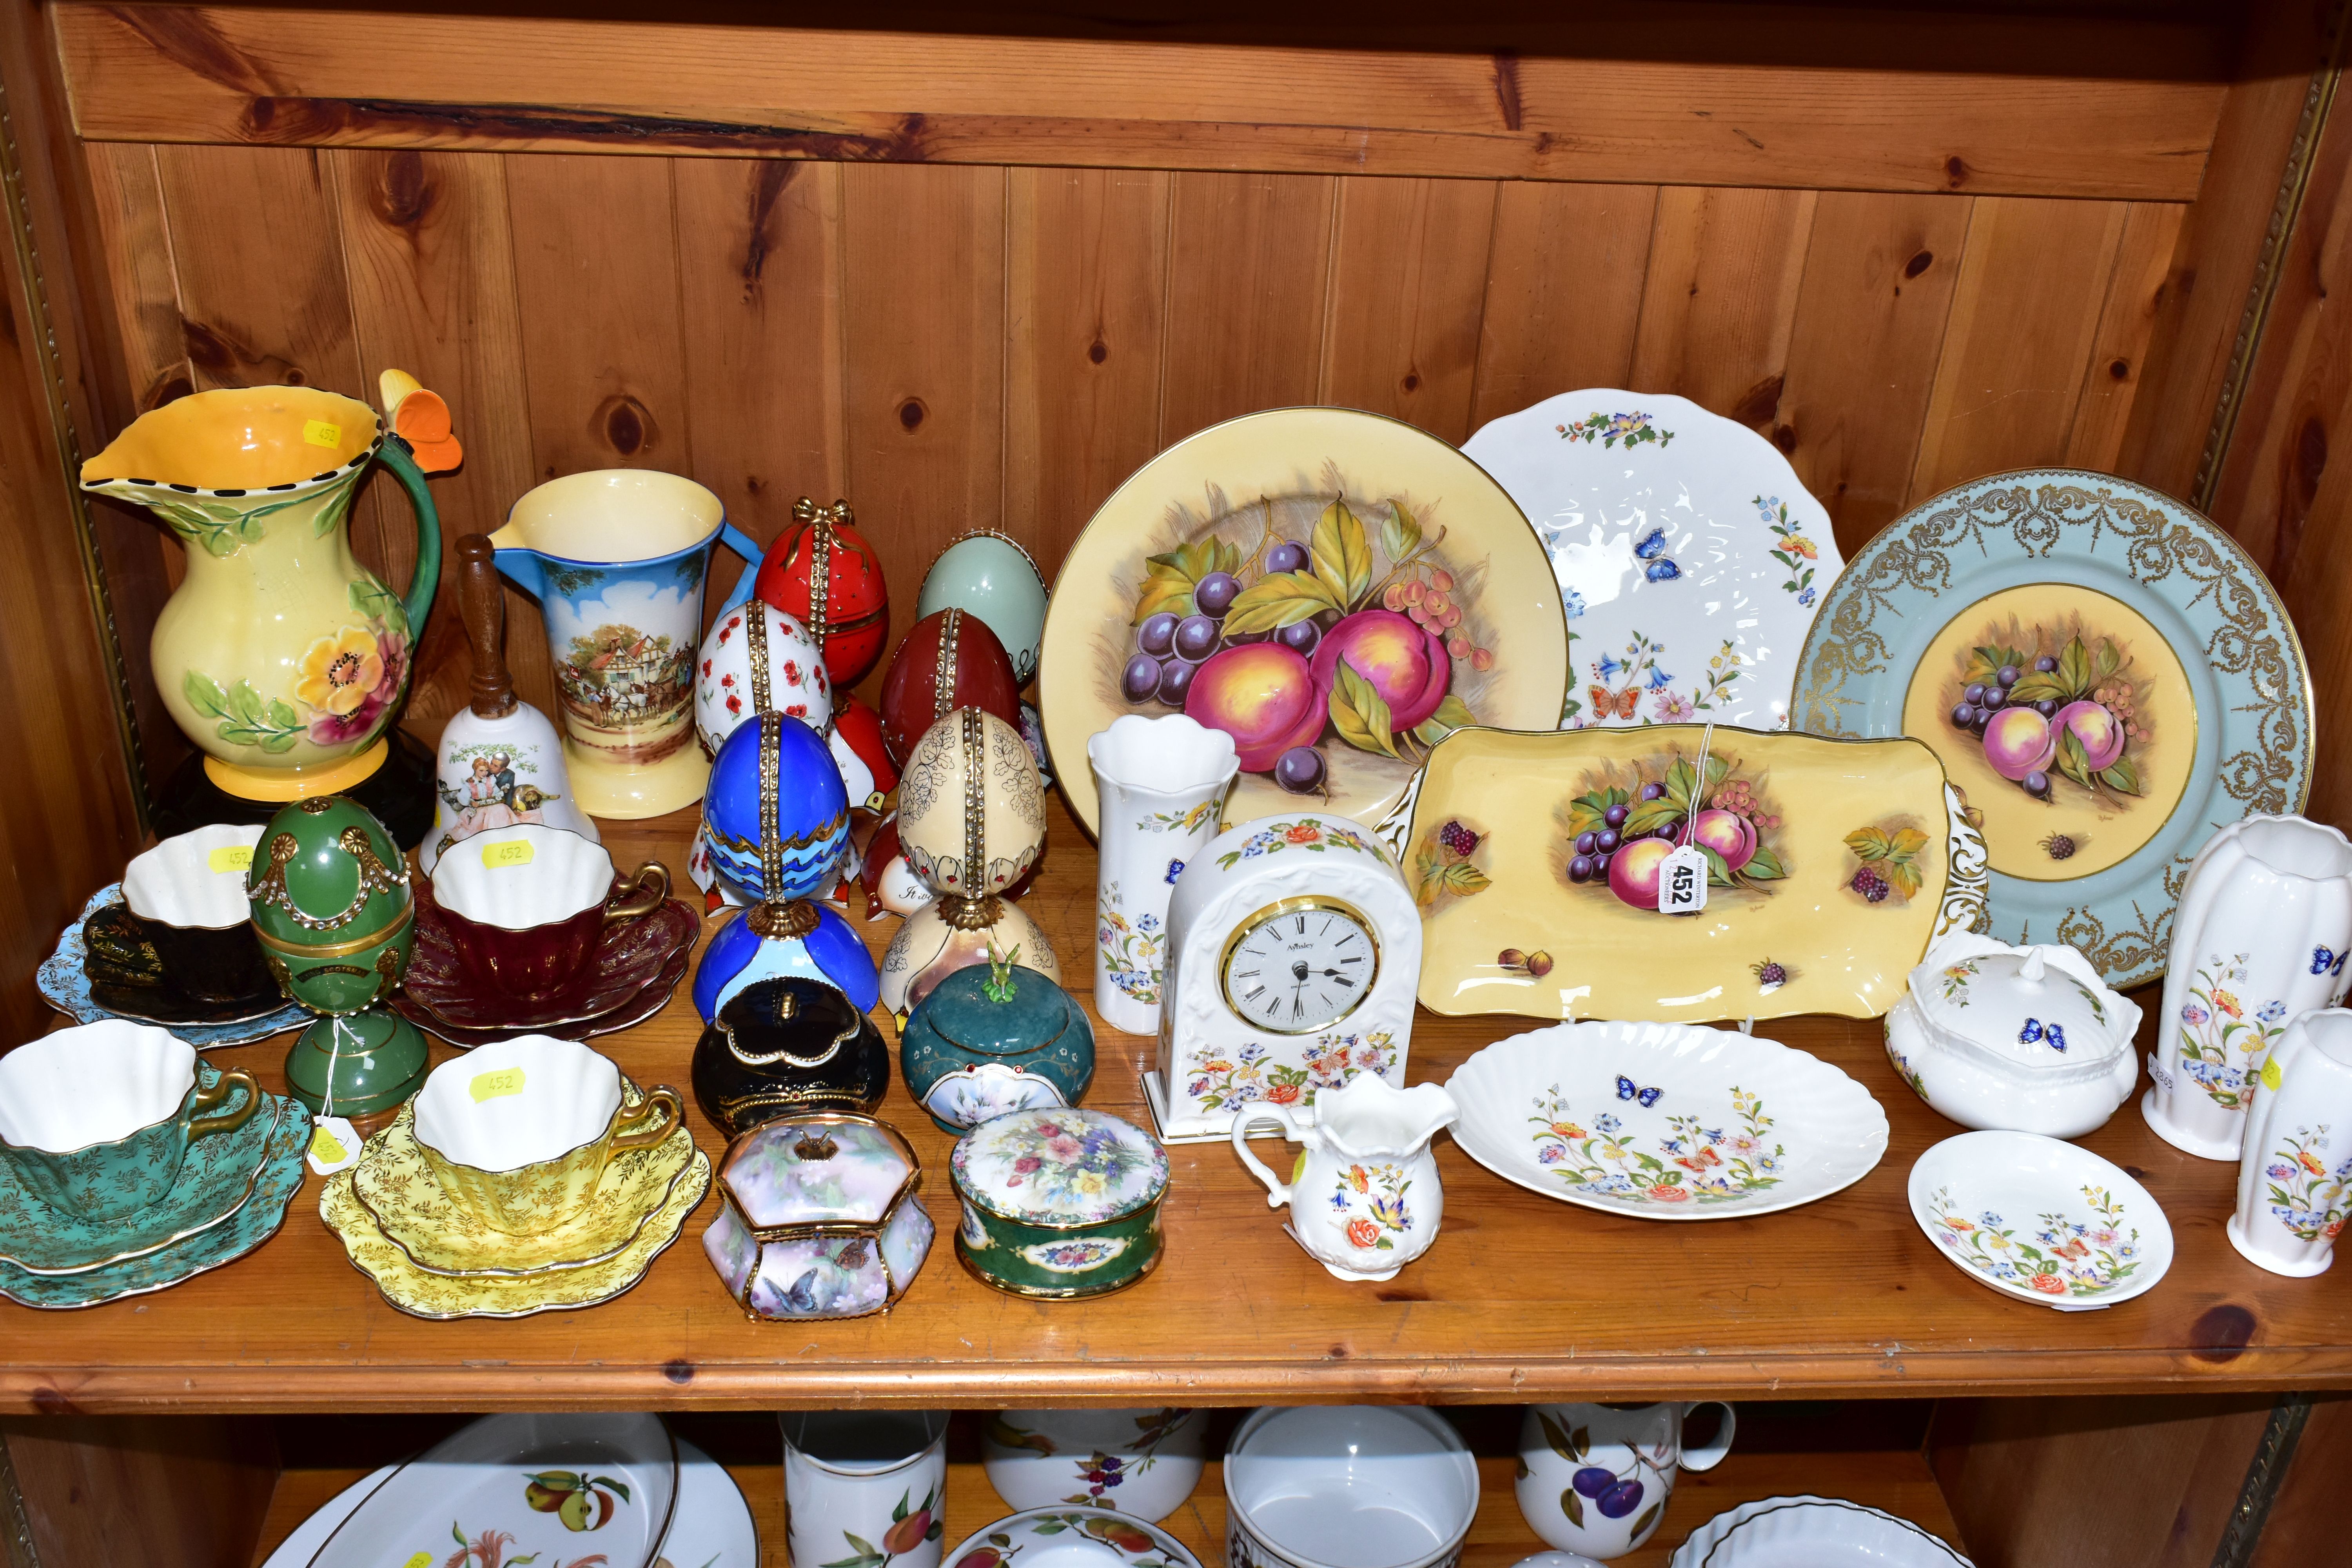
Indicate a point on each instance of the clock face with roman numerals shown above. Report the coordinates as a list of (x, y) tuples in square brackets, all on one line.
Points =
[(1300, 966)]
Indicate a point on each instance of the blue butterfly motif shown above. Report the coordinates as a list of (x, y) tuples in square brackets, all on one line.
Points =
[(1628, 1089), (2050, 1034), (1652, 548), (1175, 869), (2326, 961)]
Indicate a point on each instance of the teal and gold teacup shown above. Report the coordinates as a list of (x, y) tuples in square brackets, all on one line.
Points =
[(518, 1132), (97, 1119)]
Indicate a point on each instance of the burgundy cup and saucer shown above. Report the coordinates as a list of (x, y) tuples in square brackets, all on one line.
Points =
[(529, 930)]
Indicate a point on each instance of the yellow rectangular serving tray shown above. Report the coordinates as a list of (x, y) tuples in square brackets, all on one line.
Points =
[(1792, 928)]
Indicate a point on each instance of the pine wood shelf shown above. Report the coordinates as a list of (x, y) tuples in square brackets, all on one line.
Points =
[(1521, 1297), (1898, 1481)]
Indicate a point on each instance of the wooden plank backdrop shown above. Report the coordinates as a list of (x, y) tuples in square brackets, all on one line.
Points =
[(979, 346)]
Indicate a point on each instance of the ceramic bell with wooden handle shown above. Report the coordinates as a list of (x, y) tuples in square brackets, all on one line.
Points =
[(500, 762)]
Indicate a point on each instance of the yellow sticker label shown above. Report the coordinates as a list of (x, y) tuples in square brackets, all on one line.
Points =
[(513, 852), (319, 432), (231, 857), (324, 1149), (2271, 1074), (491, 1085), (422, 1559)]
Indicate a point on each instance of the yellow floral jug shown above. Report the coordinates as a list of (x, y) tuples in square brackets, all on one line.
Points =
[(282, 658)]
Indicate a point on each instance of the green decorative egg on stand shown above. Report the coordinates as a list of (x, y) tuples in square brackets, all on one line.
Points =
[(333, 907)]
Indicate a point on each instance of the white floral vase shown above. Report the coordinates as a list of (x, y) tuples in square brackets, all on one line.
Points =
[(2259, 940), (1160, 784), (2294, 1176)]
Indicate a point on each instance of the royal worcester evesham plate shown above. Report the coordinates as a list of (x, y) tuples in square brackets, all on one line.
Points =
[(1833, 864), (254, 1221), (1690, 558), (1665, 1120), (710, 1528), (1335, 589), (65, 984), (2106, 675), (1813, 1532), (1067, 1537), (2043, 1221), (567, 1490)]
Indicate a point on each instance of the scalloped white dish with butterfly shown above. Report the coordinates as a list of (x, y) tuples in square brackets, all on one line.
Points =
[(1665, 1120), (1691, 560)]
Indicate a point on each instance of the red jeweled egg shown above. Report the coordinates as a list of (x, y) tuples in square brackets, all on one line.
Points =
[(948, 660), (856, 621), (858, 730)]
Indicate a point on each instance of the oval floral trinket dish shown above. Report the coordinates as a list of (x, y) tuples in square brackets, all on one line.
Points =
[(1059, 1201), (2040, 1220), (1665, 1120)]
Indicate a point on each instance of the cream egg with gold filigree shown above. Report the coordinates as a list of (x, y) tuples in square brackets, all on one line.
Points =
[(972, 809)]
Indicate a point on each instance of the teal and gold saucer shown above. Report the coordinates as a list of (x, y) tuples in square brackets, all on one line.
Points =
[(249, 1223), (217, 1180)]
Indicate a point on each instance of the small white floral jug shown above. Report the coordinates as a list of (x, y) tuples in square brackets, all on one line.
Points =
[(1364, 1198), (2259, 940), (1161, 785), (2292, 1179)]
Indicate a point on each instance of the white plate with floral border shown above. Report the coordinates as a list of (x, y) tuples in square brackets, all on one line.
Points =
[(1813, 1532), (1665, 1120), (1691, 560), (2040, 1220), (1071, 1538)]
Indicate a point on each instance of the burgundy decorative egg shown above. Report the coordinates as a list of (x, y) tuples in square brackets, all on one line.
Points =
[(948, 660), (857, 620)]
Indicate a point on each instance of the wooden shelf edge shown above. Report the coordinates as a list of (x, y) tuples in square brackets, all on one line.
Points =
[(494, 1385)]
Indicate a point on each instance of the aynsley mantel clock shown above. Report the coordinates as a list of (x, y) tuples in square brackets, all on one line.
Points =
[(1293, 952)]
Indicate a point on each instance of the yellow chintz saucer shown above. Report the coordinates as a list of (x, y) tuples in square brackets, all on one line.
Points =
[(423, 1295), (399, 1192)]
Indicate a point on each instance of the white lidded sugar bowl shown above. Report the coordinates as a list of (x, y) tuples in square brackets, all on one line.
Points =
[(2017, 1039)]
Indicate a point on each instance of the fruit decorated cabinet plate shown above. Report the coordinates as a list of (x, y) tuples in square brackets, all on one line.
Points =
[(1336, 590), (1536, 860), (1665, 1120), (2106, 676), (2040, 1220), (1068, 1537), (1691, 560), (560, 1487)]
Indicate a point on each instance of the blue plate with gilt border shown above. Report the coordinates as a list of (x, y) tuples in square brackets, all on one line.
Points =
[(2106, 675)]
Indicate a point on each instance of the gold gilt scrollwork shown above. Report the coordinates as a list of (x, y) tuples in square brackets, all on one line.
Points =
[(2268, 771)]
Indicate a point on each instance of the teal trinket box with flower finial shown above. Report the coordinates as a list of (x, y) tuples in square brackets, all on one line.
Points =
[(991, 1040)]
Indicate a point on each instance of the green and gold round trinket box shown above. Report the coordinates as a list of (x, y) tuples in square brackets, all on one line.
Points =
[(1059, 1201), (332, 908)]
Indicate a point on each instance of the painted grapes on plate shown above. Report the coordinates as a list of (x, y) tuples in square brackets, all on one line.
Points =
[(2053, 715), (1289, 634), (1616, 832)]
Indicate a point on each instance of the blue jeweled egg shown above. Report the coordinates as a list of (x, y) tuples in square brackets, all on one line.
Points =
[(811, 820)]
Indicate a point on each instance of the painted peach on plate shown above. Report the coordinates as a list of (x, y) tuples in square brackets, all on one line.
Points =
[(1336, 591)]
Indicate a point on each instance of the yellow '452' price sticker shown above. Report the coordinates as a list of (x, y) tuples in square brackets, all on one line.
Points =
[(2271, 1074), (492, 1085), (231, 857), (422, 1559), (513, 852), (319, 432)]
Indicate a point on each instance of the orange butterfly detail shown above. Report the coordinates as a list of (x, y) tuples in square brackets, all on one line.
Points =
[(1621, 704)]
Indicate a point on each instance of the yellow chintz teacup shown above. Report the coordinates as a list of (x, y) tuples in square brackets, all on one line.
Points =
[(519, 1133)]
